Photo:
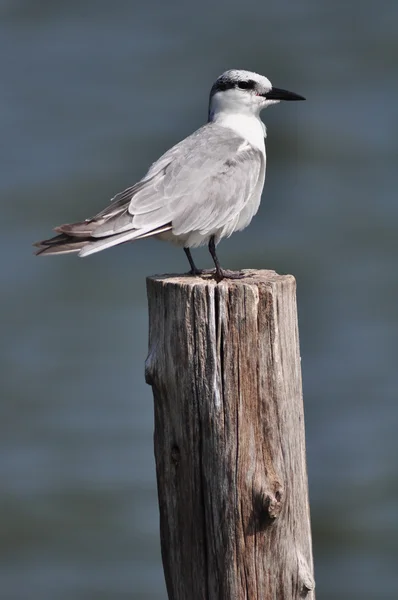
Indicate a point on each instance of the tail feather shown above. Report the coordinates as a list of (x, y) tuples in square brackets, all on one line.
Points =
[(60, 244), (113, 225), (79, 229), (97, 245), (66, 243)]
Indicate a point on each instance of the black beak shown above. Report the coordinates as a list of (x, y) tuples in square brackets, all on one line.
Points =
[(278, 94)]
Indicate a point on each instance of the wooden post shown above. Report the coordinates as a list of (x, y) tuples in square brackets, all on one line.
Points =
[(224, 365)]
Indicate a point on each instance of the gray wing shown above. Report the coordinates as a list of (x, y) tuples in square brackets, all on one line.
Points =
[(222, 191), (199, 184)]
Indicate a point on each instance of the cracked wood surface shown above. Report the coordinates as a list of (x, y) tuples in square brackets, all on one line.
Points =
[(224, 366)]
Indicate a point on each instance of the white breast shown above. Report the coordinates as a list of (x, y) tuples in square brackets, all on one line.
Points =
[(249, 127)]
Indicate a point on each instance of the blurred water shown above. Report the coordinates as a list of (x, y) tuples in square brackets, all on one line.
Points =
[(92, 93)]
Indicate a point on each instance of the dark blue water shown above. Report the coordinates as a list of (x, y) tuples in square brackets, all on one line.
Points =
[(91, 94)]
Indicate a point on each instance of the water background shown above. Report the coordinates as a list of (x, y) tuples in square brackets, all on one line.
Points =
[(91, 93)]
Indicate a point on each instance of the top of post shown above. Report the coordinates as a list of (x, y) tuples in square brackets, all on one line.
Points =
[(254, 277)]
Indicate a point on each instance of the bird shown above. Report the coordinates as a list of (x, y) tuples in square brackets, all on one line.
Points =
[(201, 190)]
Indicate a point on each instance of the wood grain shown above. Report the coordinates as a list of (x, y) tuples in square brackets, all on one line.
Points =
[(224, 366)]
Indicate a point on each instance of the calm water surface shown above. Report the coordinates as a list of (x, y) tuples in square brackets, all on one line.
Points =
[(92, 93)]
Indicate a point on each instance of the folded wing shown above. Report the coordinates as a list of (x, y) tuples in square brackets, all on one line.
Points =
[(198, 185)]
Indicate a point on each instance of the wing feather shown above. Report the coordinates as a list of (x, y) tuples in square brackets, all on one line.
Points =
[(203, 183), (200, 184), (220, 195)]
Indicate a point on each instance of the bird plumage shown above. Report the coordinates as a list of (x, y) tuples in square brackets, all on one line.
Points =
[(205, 187)]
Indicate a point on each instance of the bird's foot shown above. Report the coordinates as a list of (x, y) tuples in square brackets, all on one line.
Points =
[(200, 272), (221, 274)]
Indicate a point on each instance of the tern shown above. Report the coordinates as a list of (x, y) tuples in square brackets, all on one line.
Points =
[(203, 189)]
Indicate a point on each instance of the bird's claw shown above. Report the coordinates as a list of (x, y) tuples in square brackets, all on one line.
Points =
[(200, 272), (227, 274)]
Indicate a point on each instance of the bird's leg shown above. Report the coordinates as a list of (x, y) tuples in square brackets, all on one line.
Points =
[(220, 273), (194, 270)]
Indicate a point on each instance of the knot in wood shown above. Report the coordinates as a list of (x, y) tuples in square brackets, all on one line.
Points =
[(150, 367), (175, 455), (306, 579), (267, 506), (272, 502)]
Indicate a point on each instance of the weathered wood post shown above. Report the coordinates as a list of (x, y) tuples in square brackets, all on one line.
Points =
[(224, 365)]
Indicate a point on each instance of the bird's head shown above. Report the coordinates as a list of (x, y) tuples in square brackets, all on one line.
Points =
[(244, 92)]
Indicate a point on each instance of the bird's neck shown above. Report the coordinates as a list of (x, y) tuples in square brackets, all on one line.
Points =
[(247, 125)]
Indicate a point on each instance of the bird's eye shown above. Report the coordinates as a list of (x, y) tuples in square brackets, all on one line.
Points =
[(246, 85)]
